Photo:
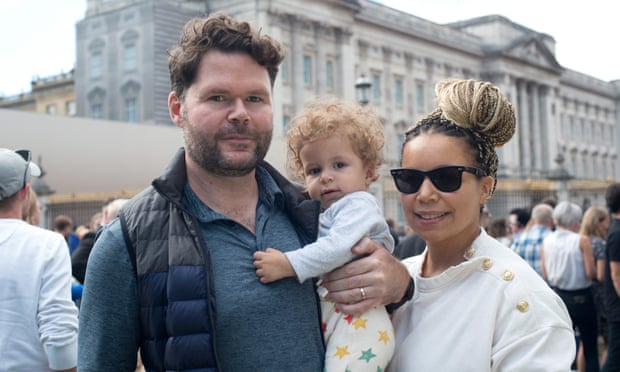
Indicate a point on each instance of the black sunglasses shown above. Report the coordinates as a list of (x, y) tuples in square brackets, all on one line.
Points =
[(445, 179), (27, 156)]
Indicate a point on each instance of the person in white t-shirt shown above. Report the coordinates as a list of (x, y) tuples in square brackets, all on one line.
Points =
[(38, 320)]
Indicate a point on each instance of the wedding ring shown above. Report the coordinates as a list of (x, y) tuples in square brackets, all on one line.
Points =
[(363, 293)]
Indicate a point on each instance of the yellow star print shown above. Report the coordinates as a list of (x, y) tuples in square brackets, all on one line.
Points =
[(341, 352), (383, 336), (359, 323)]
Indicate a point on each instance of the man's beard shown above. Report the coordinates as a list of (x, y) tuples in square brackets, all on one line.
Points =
[(204, 151)]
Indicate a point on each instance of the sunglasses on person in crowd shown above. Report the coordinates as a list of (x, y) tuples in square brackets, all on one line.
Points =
[(445, 179), (27, 156)]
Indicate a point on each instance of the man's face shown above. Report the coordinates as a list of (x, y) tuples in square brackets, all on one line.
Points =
[(226, 115), (513, 222)]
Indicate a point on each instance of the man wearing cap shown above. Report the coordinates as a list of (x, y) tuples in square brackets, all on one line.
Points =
[(38, 320)]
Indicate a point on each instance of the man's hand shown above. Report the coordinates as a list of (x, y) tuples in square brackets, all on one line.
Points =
[(272, 265), (377, 279)]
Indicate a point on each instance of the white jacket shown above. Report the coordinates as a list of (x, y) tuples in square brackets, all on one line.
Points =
[(492, 312)]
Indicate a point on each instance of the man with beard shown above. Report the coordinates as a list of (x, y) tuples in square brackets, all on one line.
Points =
[(174, 276)]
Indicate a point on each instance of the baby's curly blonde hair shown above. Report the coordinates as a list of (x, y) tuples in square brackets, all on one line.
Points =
[(327, 118)]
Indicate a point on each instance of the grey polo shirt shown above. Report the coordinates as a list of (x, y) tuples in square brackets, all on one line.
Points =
[(259, 327)]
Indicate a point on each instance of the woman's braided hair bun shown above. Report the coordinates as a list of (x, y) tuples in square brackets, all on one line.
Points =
[(478, 106)]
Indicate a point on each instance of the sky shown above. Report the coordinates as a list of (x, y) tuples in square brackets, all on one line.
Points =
[(38, 39), (585, 32), (38, 36)]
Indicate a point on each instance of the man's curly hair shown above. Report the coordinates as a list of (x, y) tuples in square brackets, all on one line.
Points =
[(219, 32)]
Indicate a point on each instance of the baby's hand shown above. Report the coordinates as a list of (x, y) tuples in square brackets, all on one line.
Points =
[(272, 265)]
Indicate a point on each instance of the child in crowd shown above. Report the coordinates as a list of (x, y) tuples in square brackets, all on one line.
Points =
[(336, 147)]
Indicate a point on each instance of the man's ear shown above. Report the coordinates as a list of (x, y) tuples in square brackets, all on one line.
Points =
[(175, 108), (24, 193)]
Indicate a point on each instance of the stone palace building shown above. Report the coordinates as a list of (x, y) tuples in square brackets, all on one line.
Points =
[(567, 122)]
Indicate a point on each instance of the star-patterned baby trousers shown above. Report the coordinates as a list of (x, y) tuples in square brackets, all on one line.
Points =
[(362, 343)]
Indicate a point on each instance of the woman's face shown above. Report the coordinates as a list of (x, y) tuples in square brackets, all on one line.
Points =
[(443, 217), (603, 225)]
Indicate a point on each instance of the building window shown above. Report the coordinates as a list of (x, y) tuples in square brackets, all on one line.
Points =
[(399, 145), (329, 75), (376, 87), (307, 70), (70, 108), (419, 96), (96, 111), (595, 167), (597, 133), (286, 121), (96, 65), (398, 92), (131, 112), (129, 57), (284, 69), (51, 109)]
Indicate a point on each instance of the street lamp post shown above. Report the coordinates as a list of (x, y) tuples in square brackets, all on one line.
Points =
[(362, 89)]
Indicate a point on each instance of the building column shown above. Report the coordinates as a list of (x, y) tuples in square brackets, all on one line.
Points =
[(321, 60), (547, 124), (537, 130), (345, 75), (296, 65), (509, 153), (409, 85), (524, 128), (430, 86), (388, 81)]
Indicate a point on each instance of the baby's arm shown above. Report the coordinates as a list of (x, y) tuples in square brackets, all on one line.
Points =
[(272, 265)]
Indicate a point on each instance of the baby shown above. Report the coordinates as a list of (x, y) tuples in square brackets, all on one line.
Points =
[(335, 147)]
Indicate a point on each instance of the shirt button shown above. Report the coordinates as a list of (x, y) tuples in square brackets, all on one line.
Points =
[(507, 275), (470, 253), (523, 306), (487, 263)]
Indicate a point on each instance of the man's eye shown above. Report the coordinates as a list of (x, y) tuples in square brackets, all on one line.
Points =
[(255, 99), (216, 98)]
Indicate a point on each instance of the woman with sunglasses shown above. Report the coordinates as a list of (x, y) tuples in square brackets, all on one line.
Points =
[(477, 306)]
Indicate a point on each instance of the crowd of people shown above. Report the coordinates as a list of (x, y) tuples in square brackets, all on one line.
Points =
[(225, 264)]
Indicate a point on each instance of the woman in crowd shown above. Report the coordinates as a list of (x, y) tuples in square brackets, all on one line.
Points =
[(477, 306), (32, 214), (594, 226), (568, 266)]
